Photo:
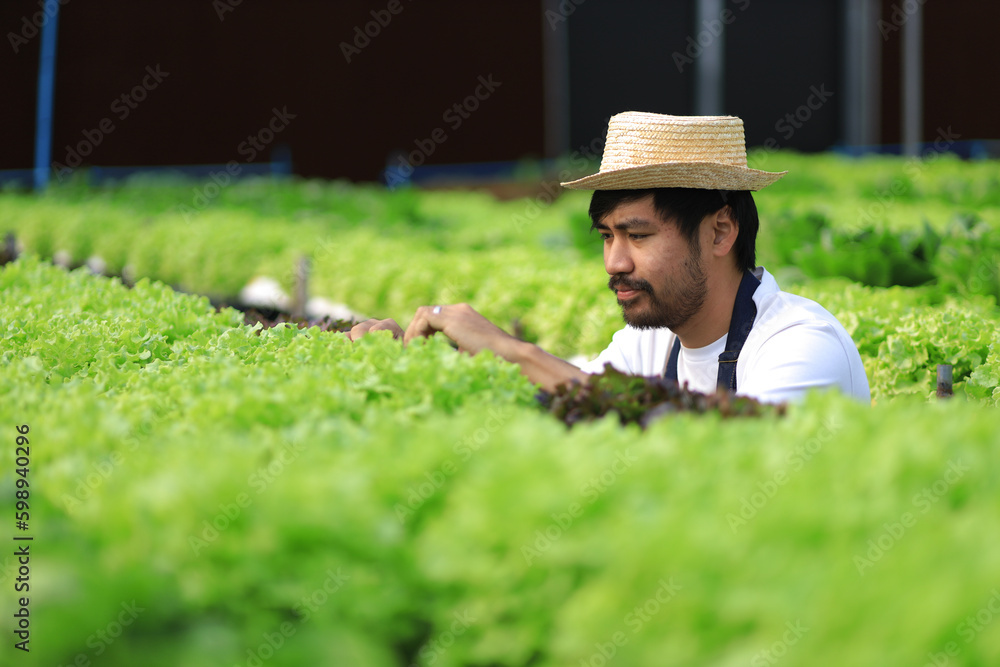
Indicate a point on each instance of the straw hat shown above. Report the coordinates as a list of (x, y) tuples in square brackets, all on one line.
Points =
[(650, 150)]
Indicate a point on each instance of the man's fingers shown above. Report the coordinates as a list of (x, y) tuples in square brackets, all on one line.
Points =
[(388, 325), (422, 324), (360, 329)]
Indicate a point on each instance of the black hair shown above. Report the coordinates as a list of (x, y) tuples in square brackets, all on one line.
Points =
[(687, 207)]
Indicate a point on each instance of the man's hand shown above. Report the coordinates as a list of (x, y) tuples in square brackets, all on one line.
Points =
[(473, 333), (360, 329), (470, 330)]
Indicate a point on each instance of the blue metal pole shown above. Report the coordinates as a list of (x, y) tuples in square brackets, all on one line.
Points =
[(46, 93)]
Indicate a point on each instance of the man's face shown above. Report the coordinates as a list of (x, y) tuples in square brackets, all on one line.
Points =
[(657, 275)]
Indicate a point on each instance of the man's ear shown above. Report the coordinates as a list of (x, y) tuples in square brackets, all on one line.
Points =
[(725, 229)]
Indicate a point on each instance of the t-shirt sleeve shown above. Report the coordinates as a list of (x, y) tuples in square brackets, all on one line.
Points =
[(796, 359)]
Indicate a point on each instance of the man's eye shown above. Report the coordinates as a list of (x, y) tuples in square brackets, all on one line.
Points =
[(605, 236), (637, 236)]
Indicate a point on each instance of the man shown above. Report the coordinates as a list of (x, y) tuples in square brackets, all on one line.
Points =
[(672, 202)]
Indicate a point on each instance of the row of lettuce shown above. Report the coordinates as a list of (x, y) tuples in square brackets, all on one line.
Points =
[(531, 267), (389, 269), (878, 221), (212, 494)]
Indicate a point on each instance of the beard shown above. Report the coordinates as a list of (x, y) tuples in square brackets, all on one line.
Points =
[(670, 304)]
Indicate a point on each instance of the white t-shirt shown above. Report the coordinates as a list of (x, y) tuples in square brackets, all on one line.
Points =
[(795, 345)]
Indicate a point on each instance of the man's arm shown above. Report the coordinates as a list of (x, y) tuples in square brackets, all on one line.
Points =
[(473, 333), (546, 369)]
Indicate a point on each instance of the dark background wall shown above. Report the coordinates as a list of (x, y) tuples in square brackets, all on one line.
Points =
[(225, 76), (620, 60), (227, 73), (961, 69), (771, 73), (622, 57)]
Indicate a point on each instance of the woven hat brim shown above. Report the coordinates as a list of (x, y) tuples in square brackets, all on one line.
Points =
[(704, 176)]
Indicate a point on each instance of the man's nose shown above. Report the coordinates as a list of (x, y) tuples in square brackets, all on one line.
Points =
[(617, 258)]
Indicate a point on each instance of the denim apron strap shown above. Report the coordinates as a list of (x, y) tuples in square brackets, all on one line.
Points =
[(744, 312)]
